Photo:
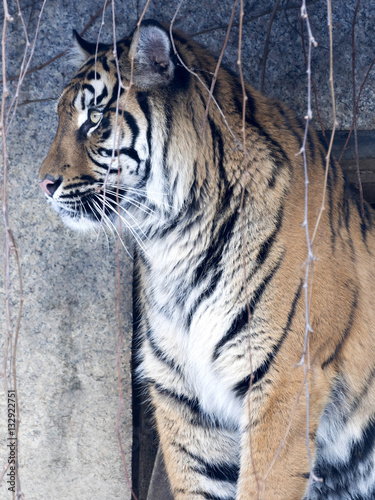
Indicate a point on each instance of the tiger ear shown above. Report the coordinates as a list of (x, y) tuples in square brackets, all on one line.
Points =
[(83, 50), (151, 50)]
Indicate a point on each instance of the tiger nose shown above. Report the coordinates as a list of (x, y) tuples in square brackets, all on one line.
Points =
[(49, 185)]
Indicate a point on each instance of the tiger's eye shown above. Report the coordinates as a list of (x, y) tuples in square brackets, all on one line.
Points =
[(95, 116)]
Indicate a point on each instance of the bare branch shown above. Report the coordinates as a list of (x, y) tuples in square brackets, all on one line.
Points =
[(219, 61), (61, 54), (355, 113), (266, 45)]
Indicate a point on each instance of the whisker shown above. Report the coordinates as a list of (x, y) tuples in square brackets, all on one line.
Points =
[(142, 191), (98, 232), (111, 226), (137, 190), (128, 225), (135, 203), (137, 226)]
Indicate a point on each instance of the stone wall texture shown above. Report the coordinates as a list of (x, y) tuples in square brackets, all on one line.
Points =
[(68, 340)]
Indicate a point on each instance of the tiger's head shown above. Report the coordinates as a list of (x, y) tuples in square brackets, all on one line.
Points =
[(112, 147)]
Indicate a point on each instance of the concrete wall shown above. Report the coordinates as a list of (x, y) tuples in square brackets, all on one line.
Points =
[(67, 349)]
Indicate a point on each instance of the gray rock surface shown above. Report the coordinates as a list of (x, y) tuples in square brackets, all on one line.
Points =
[(67, 350)]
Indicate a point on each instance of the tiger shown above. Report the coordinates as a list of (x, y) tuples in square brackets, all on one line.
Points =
[(261, 377)]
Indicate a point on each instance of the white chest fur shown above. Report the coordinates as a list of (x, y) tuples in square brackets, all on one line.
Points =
[(189, 345), (191, 351)]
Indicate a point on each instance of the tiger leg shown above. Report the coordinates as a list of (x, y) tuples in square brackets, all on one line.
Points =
[(275, 458), (201, 457)]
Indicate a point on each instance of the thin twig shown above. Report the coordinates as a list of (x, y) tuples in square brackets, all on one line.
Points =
[(310, 255), (328, 156), (10, 375), (313, 85), (97, 45), (355, 114), (250, 19), (25, 64), (191, 71), (267, 44), (61, 54), (219, 62)]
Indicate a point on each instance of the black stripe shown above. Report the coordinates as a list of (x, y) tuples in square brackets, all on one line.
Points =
[(243, 317), (78, 76), (366, 222), (130, 121), (88, 178), (133, 126), (131, 152), (90, 88), (168, 125), (343, 476), (192, 212), (257, 295), (267, 245), (209, 496), (331, 211), (333, 165), (160, 355), (105, 124), (101, 165), (147, 169), (106, 134), (305, 475), (237, 325), (364, 447), (214, 253), (298, 131), (137, 291), (276, 149), (192, 404), (115, 94), (355, 197), (102, 95), (277, 152), (104, 62), (242, 387), (346, 331), (79, 184), (218, 143), (211, 287), (93, 75), (276, 166), (198, 416), (347, 207), (142, 99), (218, 472), (369, 216)]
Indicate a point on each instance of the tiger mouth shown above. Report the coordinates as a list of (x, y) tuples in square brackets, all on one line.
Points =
[(92, 206)]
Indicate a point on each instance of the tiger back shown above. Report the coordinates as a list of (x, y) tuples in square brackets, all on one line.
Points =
[(217, 212)]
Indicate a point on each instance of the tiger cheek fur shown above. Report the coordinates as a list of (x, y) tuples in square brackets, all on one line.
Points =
[(221, 359)]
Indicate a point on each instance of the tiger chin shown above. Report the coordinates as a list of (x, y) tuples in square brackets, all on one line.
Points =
[(221, 270)]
